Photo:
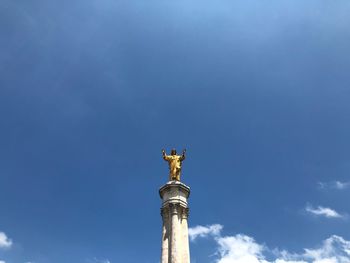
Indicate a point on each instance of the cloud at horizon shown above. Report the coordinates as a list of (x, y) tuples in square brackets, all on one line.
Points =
[(5, 242), (241, 248)]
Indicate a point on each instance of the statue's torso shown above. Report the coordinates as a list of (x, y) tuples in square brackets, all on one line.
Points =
[(174, 160)]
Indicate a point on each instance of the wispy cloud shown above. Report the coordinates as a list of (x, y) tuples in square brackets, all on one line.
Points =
[(203, 231), (337, 185), (323, 211), (241, 248), (334, 249), (96, 260), (5, 242), (342, 185)]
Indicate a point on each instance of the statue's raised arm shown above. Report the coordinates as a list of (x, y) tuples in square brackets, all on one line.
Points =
[(165, 156), (183, 156)]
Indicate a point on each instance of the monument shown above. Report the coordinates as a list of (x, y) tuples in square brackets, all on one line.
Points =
[(174, 211)]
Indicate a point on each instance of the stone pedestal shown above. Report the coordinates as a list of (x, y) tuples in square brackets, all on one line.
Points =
[(174, 211)]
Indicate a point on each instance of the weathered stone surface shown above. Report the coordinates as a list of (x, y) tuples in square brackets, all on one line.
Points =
[(175, 244)]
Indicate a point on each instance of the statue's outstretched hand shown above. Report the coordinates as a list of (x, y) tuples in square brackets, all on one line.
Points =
[(183, 155)]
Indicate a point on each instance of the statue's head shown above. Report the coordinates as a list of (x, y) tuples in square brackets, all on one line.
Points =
[(173, 152)]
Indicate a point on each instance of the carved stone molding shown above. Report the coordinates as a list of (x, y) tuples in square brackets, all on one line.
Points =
[(185, 213)]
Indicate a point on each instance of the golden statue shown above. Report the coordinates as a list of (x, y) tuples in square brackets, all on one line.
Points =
[(175, 162)]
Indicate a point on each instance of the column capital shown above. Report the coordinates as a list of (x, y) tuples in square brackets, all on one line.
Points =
[(174, 208), (164, 212), (185, 213)]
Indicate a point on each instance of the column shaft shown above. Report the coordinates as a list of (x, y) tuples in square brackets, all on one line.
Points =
[(175, 235), (165, 236), (185, 242)]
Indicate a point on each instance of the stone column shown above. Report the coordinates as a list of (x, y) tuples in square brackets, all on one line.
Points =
[(175, 245), (165, 235), (184, 232), (175, 240)]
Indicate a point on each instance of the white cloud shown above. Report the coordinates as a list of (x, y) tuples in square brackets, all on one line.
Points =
[(203, 231), (338, 185), (239, 248), (95, 260), (333, 249), (5, 242), (1, 261), (341, 185), (323, 211), (244, 249)]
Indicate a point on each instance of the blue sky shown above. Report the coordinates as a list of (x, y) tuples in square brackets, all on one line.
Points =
[(91, 91)]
